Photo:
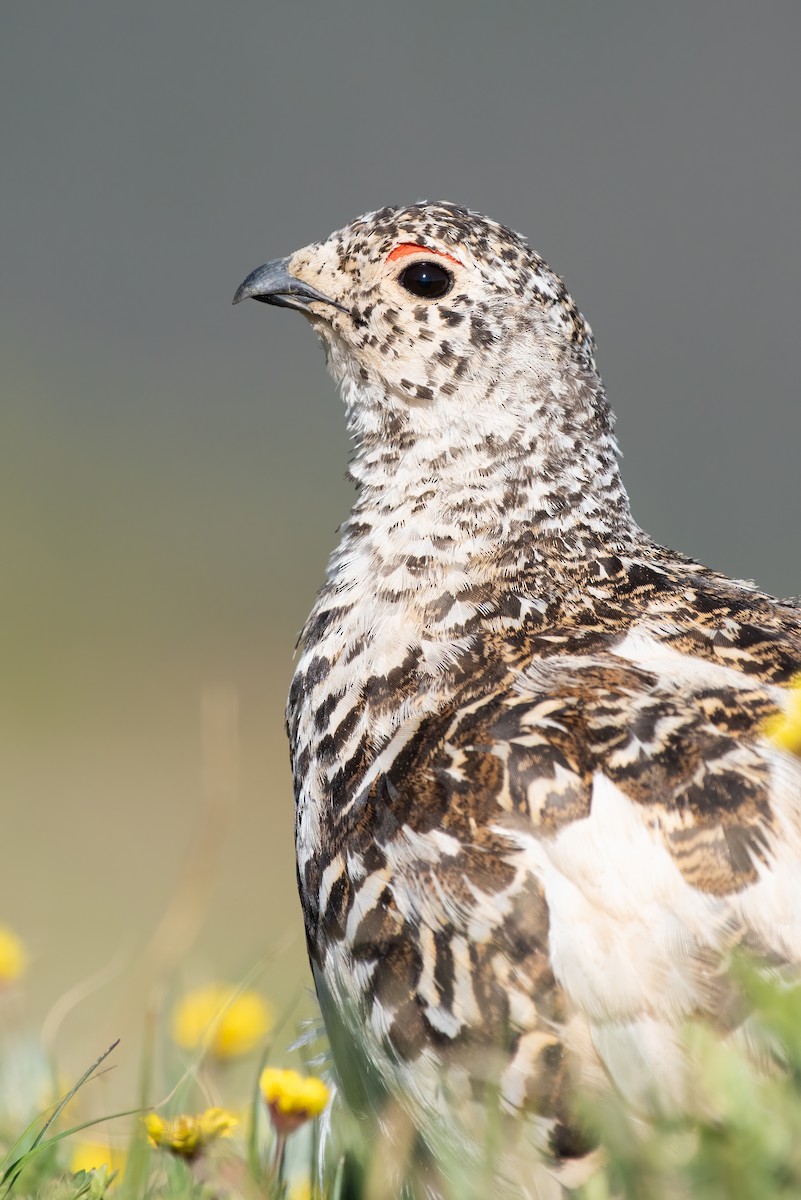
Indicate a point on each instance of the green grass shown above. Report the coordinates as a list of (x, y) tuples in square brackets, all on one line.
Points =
[(741, 1141)]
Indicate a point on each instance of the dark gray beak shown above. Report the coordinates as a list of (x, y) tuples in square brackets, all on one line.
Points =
[(273, 284)]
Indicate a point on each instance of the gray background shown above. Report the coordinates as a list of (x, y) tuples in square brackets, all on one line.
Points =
[(172, 468)]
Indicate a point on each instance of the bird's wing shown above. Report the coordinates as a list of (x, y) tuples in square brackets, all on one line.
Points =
[(568, 859)]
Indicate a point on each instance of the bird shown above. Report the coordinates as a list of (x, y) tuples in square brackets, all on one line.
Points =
[(536, 808)]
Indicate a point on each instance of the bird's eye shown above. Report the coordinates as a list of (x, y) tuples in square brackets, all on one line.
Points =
[(426, 279)]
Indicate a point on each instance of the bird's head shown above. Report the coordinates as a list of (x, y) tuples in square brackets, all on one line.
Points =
[(433, 316)]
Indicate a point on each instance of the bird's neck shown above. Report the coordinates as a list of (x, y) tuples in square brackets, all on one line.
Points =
[(454, 535), (520, 502)]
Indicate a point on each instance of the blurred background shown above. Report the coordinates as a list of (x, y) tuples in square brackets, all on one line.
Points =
[(172, 468)]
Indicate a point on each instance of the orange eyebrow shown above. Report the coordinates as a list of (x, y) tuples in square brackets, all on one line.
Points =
[(410, 248)]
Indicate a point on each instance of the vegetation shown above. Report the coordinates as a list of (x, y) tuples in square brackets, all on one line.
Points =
[(740, 1141)]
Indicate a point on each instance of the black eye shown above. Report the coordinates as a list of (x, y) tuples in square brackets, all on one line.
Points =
[(426, 279)]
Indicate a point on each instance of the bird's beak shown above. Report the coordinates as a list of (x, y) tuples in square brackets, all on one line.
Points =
[(273, 284)]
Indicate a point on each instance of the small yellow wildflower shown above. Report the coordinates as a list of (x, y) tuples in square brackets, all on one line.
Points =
[(292, 1098), (185, 1135), (784, 729), (228, 1022), (92, 1156), (13, 959)]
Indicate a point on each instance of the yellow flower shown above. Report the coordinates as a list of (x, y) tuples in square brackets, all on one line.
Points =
[(292, 1098), (187, 1135), (13, 959), (228, 1022), (92, 1156), (784, 728)]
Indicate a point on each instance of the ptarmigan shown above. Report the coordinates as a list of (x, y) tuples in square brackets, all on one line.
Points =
[(535, 807)]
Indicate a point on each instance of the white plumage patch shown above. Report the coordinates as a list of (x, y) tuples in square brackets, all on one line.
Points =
[(623, 920)]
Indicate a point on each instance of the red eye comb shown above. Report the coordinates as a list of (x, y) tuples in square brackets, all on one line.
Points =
[(406, 248)]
